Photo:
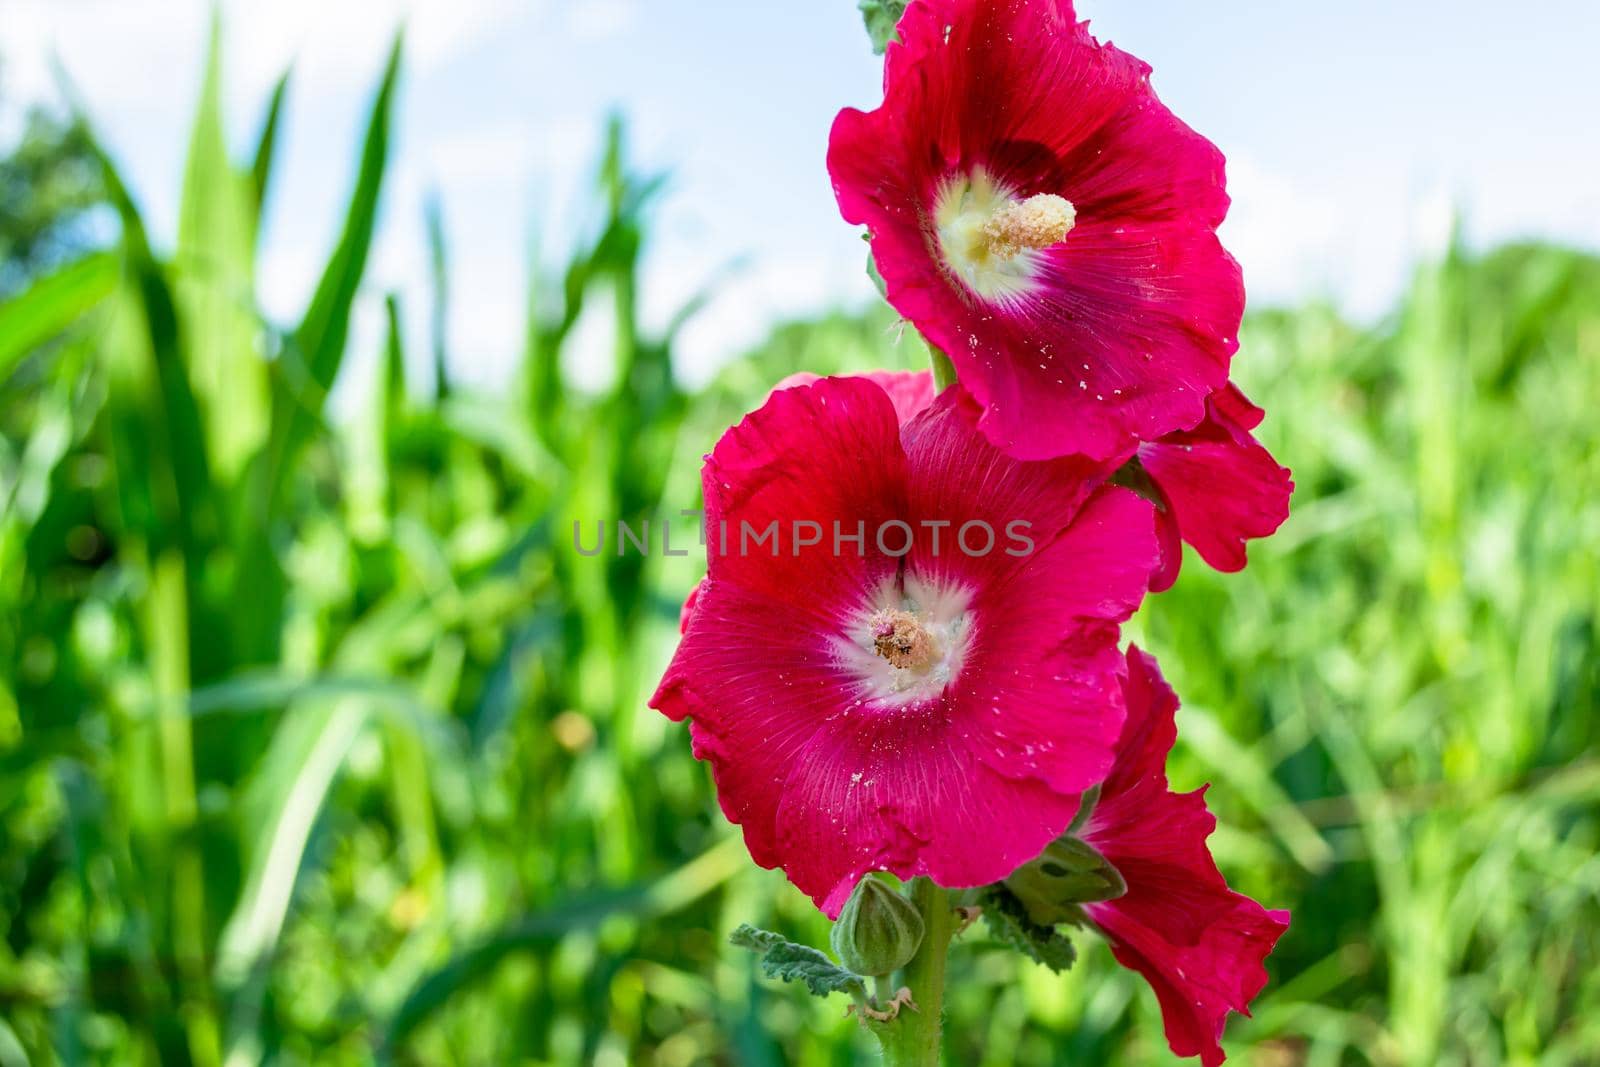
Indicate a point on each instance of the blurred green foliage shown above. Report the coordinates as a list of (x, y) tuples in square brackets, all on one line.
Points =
[(319, 743), (49, 185)]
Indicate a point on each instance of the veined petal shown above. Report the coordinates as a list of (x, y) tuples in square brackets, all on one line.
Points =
[(820, 453)]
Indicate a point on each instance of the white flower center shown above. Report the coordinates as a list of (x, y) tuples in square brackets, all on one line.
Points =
[(908, 641), (991, 239)]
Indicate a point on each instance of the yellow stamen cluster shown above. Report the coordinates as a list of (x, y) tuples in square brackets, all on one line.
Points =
[(1040, 221)]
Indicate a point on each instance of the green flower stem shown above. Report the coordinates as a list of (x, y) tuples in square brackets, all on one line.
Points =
[(912, 1039)]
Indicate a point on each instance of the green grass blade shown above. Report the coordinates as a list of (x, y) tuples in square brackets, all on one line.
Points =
[(216, 284), (583, 911), (1248, 775), (316, 348), (439, 266), (173, 453), (52, 304), (308, 750), (267, 146), (305, 372), (394, 367)]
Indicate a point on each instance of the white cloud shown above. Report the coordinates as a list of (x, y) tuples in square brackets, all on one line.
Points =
[(1282, 235), (1350, 236), (745, 307), (135, 50)]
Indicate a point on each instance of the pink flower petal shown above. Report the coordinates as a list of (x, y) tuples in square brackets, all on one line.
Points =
[(1200, 945), (829, 450), (909, 390), (1220, 486), (1058, 618), (758, 687), (912, 791)]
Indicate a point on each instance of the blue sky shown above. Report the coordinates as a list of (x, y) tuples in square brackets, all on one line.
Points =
[(1351, 132)]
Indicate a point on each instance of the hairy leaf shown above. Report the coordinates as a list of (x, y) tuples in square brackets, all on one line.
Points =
[(1008, 921), (782, 958)]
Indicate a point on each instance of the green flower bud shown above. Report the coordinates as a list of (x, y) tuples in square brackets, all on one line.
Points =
[(1068, 873), (878, 931)]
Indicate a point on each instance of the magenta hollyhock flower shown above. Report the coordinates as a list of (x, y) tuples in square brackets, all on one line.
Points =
[(903, 703), (1199, 944), (1218, 486), (1040, 216)]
